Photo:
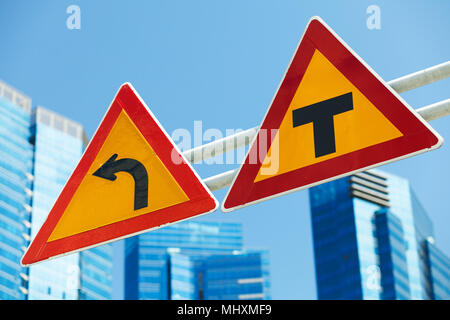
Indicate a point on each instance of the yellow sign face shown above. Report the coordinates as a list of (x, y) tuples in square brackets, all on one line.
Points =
[(104, 202), (362, 127)]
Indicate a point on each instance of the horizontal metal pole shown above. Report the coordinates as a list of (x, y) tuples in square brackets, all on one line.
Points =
[(221, 180), (421, 78), (241, 139), (220, 146), (435, 111), (430, 112)]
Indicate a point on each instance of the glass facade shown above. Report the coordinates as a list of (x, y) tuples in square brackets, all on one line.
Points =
[(437, 271), (239, 276), (236, 276), (194, 260), (392, 256), (368, 234), (15, 191), (96, 273), (38, 151)]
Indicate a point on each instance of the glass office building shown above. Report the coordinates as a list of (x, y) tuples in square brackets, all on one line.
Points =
[(16, 155), (193, 260), (235, 276), (372, 240), (40, 150)]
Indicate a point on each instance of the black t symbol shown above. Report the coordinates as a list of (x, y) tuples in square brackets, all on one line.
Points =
[(321, 115)]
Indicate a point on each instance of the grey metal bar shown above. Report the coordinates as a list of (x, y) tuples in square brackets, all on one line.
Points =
[(435, 111), (421, 78), (220, 146)]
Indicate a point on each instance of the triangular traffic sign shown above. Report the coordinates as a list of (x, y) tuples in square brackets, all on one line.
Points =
[(331, 116), (132, 178)]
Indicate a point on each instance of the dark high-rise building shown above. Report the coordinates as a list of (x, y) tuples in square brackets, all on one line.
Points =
[(373, 240)]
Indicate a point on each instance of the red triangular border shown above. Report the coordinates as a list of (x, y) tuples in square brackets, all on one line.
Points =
[(201, 200), (418, 136)]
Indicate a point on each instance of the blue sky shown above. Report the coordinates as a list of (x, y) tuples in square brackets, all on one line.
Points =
[(221, 62)]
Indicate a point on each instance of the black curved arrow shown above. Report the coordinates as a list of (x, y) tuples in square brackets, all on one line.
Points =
[(137, 171)]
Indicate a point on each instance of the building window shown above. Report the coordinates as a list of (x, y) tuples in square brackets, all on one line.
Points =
[(58, 124), (44, 118), (72, 130)]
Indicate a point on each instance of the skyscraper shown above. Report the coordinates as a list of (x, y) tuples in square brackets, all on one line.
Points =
[(193, 260), (372, 240), (16, 156), (39, 149)]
